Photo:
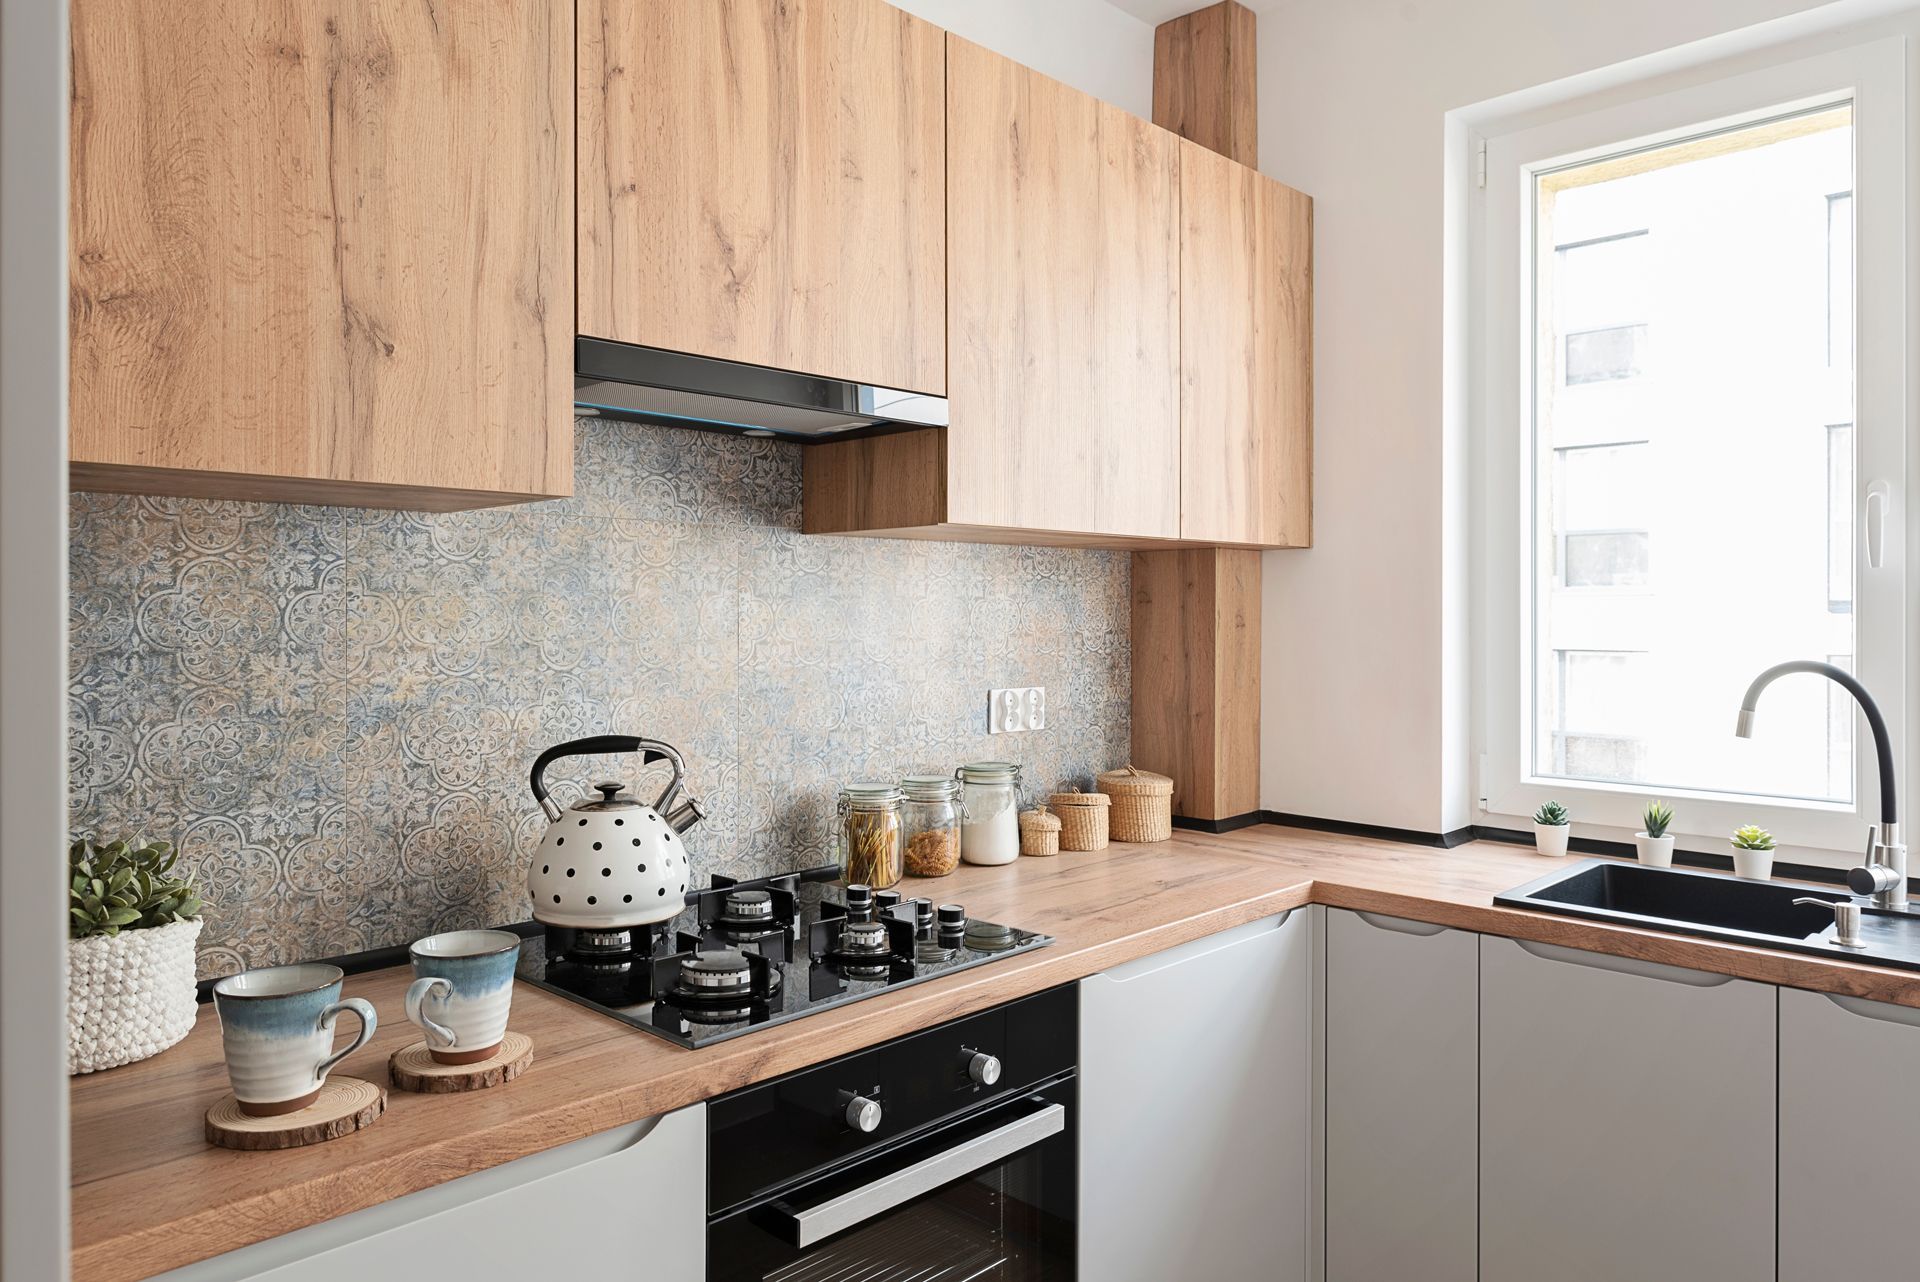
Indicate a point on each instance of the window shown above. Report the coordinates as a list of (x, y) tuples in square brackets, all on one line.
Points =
[(1670, 333)]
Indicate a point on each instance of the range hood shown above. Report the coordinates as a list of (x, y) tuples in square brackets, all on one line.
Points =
[(652, 385)]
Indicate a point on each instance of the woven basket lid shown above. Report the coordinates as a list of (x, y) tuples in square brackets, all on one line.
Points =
[(1040, 819), (1078, 798), (1131, 782)]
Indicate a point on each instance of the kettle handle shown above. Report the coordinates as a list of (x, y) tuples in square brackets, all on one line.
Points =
[(650, 750)]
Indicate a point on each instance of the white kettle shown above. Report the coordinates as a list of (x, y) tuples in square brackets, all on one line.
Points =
[(612, 862)]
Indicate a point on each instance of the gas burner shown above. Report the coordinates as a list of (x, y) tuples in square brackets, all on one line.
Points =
[(862, 939), (723, 975), (746, 908)]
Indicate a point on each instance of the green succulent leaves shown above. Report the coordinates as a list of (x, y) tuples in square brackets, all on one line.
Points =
[(1551, 813), (1753, 837), (1657, 817), (120, 885)]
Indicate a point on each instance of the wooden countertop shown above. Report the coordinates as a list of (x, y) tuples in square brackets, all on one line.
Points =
[(149, 1194)]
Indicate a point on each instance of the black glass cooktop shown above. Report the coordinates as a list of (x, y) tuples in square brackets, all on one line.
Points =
[(749, 954)]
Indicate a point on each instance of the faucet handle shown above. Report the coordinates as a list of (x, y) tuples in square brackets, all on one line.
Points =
[(1846, 919), (1872, 879)]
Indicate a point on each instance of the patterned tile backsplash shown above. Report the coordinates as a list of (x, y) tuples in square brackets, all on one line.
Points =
[(332, 711)]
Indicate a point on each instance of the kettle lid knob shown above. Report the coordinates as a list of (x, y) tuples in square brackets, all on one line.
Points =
[(610, 788)]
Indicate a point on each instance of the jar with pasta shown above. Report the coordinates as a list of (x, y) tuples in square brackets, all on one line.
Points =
[(931, 814), (871, 844)]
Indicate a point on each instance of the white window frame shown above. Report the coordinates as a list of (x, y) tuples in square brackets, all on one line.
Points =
[(1873, 77)]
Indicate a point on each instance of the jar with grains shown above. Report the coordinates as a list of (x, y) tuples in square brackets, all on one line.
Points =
[(931, 817), (990, 828), (870, 834)]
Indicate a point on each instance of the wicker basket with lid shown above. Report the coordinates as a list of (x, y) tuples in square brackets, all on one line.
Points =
[(1142, 804), (1039, 833), (1083, 819)]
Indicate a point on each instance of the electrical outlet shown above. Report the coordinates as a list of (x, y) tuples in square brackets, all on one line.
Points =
[(1016, 711)]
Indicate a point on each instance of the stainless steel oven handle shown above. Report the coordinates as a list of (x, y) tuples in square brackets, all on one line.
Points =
[(817, 1223)]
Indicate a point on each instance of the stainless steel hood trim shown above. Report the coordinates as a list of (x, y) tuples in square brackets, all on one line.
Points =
[(650, 384)]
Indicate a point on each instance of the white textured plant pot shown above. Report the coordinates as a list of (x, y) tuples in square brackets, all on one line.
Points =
[(1654, 852), (1757, 864), (129, 995), (1551, 839)]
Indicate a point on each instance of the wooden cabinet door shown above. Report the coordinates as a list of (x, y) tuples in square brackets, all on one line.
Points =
[(1626, 1119), (1062, 307), (1849, 1144), (1246, 355), (1196, 1082), (321, 251), (1402, 1071), (762, 181)]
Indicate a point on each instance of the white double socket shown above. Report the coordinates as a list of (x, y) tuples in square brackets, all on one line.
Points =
[(1017, 710)]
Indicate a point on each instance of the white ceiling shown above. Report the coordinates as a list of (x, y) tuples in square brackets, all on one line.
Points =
[(1159, 11)]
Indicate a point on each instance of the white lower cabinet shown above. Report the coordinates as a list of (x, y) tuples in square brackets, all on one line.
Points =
[(1627, 1125), (1196, 1110), (627, 1204), (1849, 1138), (1402, 1072)]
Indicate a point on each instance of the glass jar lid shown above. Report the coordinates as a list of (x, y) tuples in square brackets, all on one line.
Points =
[(930, 787), (990, 772), (870, 794)]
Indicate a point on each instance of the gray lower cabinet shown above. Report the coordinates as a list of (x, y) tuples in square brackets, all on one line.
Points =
[(1402, 1072), (1196, 1110), (1849, 1140), (629, 1203), (1627, 1125)]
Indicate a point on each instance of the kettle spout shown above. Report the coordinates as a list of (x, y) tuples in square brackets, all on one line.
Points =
[(686, 815)]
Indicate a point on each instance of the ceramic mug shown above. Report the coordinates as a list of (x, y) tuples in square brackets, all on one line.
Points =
[(276, 1025), (461, 996)]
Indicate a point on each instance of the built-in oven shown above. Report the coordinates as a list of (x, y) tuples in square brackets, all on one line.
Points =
[(940, 1157)]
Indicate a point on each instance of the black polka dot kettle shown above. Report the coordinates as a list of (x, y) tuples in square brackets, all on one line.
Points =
[(612, 861)]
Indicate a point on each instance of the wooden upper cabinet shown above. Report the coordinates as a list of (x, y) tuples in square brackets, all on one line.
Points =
[(1246, 355), (321, 252), (1062, 306), (762, 181)]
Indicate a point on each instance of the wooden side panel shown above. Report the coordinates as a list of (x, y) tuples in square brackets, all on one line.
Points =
[(888, 482), (1196, 677), (1205, 80), (763, 181), (323, 242), (1246, 355), (1062, 306)]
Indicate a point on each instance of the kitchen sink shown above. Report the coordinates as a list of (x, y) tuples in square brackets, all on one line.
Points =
[(1716, 906)]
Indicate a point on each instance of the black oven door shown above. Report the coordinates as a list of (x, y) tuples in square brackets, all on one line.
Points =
[(988, 1196)]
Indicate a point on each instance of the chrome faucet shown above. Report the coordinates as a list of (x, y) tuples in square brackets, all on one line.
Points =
[(1884, 875)]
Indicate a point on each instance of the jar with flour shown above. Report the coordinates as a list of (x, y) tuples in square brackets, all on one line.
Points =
[(991, 832)]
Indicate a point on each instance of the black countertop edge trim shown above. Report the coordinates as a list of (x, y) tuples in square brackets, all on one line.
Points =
[(1408, 836), (375, 958), (1233, 823)]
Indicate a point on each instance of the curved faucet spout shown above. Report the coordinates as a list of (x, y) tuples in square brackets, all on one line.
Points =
[(1882, 745)]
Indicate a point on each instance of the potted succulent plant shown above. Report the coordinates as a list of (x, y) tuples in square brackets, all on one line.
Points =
[(131, 928), (1753, 852), (1653, 846), (1550, 829)]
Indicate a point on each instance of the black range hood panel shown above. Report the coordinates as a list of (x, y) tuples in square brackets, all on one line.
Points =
[(652, 385)]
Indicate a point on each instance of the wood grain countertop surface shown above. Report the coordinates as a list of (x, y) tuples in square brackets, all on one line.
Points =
[(149, 1194)]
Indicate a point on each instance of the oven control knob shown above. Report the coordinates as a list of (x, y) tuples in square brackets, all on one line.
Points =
[(982, 1069), (863, 1114)]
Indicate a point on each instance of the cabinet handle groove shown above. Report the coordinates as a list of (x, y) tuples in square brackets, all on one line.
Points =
[(1885, 1012), (1400, 925), (1623, 965)]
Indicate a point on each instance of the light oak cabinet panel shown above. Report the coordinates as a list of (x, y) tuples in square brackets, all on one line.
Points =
[(1062, 306), (323, 251), (762, 181), (1627, 1124), (1246, 355)]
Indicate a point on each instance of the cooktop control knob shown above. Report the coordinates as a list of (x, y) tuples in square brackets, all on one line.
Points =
[(863, 1114), (982, 1069)]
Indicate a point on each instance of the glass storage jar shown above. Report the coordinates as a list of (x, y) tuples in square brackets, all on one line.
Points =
[(931, 815), (990, 827), (870, 844)]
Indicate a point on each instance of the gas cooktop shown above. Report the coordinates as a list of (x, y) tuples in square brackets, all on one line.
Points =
[(746, 955)]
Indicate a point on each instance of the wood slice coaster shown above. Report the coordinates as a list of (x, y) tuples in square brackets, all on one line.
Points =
[(345, 1105), (413, 1069)]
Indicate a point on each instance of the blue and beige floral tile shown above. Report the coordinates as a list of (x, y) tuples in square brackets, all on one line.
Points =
[(332, 711)]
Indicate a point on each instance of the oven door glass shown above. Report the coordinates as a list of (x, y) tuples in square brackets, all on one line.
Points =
[(990, 1197)]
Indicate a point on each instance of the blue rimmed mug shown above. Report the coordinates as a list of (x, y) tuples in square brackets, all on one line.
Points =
[(464, 988), (276, 1025)]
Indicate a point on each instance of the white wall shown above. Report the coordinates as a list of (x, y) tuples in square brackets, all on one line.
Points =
[(1365, 671), (1088, 44)]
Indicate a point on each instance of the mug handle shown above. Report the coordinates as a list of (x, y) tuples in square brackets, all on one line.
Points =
[(421, 991), (368, 1022)]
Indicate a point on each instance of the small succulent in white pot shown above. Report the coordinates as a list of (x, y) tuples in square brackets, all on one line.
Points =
[(1550, 829), (1654, 846), (1753, 852), (131, 929)]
